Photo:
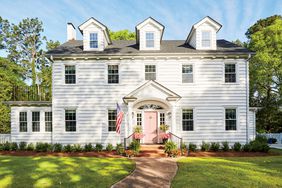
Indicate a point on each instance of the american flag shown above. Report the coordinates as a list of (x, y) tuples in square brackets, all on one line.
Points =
[(119, 118)]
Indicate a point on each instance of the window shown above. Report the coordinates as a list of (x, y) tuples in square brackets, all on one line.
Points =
[(206, 38), (149, 40), (139, 119), (150, 72), (48, 121), (112, 115), (230, 73), (113, 77), (70, 120), (187, 73), (23, 121), (162, 118), (70, 74), (93, 40), (230, 119), (35, 121), (187, 120)]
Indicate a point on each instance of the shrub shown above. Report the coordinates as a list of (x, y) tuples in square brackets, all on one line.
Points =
[(14, 146), (22, 146), (68, 148), (237, 146), (225, 146), (119, 149), (98, 147), (77, 148), (42, 147), (164, 127), (30, 147), (57, 147), (272, 141), (192, 147), (205, 146), (110, 147), (214, 146), (1, 147), (6, 146), (135, 146), (170, 148), (261, 139), (88, 147), (259, 144), (246, 147)]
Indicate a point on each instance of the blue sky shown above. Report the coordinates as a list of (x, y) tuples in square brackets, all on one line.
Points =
[(177, 16)]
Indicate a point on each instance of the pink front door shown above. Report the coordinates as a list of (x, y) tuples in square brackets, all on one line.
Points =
[(150, 128)]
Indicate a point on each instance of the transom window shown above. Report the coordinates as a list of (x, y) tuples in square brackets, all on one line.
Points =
[(35, 121), (230, 73), (93, 40), (150, 72), (150, 106), (23, 121), (112, 116), (149, 40), (48, 121), (162, 118), (187, 73), (187, 120), (70, 120), (206, 38), (70, 74), (139, 119), (113, 76), (230, 119)]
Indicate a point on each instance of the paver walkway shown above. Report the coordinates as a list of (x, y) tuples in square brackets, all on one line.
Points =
[(150, 173)]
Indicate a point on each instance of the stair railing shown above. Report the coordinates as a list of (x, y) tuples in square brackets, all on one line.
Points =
[(126, 139)]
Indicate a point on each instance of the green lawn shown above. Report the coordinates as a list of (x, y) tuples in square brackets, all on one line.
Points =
[(62, 171), (229, 172)]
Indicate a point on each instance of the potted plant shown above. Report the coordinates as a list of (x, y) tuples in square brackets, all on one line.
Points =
[(137, 133), (165, 136)]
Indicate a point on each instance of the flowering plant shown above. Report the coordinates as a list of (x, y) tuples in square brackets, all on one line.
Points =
[(164, 127), (165, 136), (138, 136)]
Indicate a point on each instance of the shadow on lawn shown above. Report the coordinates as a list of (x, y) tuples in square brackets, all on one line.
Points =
[(62, 171)]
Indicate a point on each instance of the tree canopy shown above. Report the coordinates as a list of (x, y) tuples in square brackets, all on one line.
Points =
[(122, 35)]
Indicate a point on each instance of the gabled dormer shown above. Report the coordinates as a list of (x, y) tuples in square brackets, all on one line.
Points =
[(203, 34), (95, 35), (149, 34)]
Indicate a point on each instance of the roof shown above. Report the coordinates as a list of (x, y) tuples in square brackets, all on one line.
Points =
[(28, 103), (129, 47)]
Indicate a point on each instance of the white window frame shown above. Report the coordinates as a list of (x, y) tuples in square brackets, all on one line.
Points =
[(210, 32), (144, 68), (237, 118), (36, 121), (93, 40), (64, 73), (111, 64), (194, 119), (193, 73), (236, 73), (107, 123), (23, 121), (76, 119), (154, 38), (48, 121)]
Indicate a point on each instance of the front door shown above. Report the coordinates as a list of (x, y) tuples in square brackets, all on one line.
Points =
[(150, 128)]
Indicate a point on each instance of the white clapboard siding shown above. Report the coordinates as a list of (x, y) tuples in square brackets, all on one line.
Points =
[(252, 125), (92, 97), (157, 34)]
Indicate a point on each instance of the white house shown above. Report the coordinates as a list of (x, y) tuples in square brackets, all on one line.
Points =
[(198, 86)]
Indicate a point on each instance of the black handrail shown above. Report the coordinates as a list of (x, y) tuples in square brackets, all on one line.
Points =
[(124, 140), (181, 141)]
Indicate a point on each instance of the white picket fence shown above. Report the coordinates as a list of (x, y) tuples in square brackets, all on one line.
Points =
[(278, 136), (5, 138)]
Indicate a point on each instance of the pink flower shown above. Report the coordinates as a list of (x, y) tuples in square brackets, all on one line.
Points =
[(165, 136), (138, 136)]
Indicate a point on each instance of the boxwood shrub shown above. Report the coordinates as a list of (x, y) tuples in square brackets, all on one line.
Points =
[(88, 147), (110, 147), (237, 146), (192, 147), (214, 146), (22, 146), (98, 147), (205, 146), (57, 147), (225, 146)]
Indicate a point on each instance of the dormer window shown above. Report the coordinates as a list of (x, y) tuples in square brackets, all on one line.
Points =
[(93, 40), (206, 39), (149, 40)]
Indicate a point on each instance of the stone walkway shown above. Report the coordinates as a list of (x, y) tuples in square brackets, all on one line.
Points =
[(150, 173)]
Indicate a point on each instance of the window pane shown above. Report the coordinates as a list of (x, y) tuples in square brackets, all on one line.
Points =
[(187, 120), (48, 121), (70, 120), (35, 116), (23, 116), (113, 74), (70, 74), (112, 114), (162, 118), (150, 72), (230, 73), (93, 40), (139, 119), (23, 126), (187, 73), (149, 40), (23, 121), (230, 119), (206, 38)]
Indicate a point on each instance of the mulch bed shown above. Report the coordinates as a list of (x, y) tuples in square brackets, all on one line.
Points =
[(229, 154), (61, 154)]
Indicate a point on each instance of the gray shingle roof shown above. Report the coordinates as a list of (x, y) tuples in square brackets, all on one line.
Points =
[(129, 47)]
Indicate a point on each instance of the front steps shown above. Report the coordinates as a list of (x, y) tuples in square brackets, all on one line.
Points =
[(154, 151)]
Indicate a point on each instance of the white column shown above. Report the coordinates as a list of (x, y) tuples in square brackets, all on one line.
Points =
[(173, 119)]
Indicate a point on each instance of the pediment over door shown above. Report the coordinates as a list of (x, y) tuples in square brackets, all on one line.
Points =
[(151, 90)]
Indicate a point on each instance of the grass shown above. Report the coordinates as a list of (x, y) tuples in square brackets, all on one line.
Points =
[(229, 172), (62, 171)]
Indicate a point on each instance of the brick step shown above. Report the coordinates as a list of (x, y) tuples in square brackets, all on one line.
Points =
[(154, 150)]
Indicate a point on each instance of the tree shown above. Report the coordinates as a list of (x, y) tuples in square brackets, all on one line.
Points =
[(265, 38), (122, 35), (10, 76)]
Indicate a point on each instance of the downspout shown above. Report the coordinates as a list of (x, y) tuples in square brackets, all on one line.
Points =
[(52, 136), (247, 98)]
